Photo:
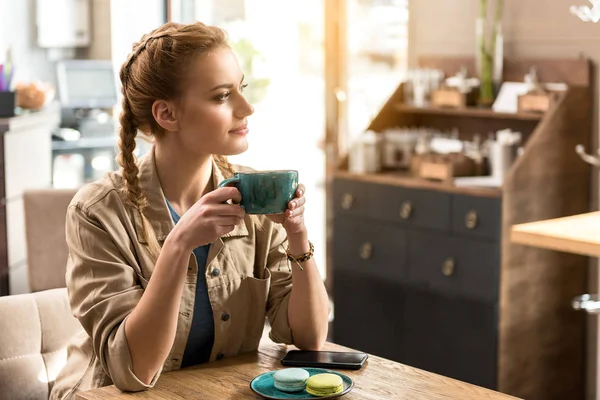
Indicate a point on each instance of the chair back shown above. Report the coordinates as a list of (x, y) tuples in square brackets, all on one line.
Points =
[(35, 331), (45, 214)]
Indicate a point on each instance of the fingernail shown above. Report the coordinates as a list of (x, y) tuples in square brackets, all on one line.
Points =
[(293, 204), (301, 192), (291, 213)]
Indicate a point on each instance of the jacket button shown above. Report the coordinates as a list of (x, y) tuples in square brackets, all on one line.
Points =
[(215, 272), (224, 317), (220, 356)]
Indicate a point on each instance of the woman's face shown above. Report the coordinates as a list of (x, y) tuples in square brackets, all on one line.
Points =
[(213, 116)]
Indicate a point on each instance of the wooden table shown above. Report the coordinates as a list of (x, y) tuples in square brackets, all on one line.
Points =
[(578, 234), (230, 378)]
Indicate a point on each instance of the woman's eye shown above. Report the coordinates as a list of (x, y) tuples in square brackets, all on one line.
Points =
[(223, 97)]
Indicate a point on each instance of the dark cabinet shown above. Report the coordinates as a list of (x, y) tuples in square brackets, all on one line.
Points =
[(414, 285)]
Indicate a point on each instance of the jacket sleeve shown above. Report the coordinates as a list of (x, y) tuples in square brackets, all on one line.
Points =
[(280, 289), (103, 289)]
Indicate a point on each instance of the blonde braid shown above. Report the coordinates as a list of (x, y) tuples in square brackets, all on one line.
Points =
[(137, 49), (224, 165), (127, 160)]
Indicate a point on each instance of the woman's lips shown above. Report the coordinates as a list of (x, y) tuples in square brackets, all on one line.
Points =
[(243, 130)]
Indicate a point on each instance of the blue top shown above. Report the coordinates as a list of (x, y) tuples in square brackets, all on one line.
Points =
[(202, 333)]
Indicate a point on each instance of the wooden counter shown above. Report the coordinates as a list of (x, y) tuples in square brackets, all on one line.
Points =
[(230, 379), (397, 178), (577, 234)]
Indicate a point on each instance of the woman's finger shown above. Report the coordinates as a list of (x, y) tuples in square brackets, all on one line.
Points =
[(227, 210), (222, 194), (295, 212), (297, 202), (300, 190)]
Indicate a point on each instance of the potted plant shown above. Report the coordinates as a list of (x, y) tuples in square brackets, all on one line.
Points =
[(489, 52)]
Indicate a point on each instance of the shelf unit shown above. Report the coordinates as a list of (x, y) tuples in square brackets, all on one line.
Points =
[(467, 112), (424, 273)]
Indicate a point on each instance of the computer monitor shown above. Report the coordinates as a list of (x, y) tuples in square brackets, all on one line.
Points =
[(86, 84)]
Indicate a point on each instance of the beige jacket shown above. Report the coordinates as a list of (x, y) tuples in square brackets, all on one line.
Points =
[(109, 266)]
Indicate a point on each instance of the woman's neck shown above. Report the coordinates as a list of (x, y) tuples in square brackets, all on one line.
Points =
[(184, 176)]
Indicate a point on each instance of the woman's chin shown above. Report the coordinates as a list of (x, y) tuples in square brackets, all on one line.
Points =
[(238, 148)]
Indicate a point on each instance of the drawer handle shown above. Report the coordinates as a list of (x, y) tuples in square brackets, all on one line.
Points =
[(406, 210), (366, 251), (590, 303), (347, 201), (448, 267), (471, 219)]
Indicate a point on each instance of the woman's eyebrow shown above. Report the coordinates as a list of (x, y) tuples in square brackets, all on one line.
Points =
[(226, 85)]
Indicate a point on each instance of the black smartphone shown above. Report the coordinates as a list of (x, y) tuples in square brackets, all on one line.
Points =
[(324, 359)]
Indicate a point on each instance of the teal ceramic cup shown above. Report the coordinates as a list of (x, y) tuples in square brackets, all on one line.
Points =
[(264, 192)]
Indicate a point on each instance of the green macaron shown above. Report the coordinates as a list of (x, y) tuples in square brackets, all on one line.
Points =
[(324, 384), (290, 379)]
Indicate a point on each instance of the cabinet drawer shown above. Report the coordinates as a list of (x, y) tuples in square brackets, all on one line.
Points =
[(477, 216), (369, 250), (351, 197), (454, 266), (451, 337), (413, 207)]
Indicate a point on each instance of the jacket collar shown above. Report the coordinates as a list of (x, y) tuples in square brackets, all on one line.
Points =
[(157, 211)]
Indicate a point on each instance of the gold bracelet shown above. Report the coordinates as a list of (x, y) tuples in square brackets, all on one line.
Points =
[(303, 257)]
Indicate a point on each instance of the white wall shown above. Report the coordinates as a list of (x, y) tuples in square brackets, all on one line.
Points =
[(130, 19), (18, 30)]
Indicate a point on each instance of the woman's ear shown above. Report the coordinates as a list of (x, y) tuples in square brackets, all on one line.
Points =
[(164, 114)]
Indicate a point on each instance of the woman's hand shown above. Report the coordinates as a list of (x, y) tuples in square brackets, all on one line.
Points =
[(209, 218), (293, 218)]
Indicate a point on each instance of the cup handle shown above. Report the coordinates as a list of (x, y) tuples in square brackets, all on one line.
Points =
[(229, 181)]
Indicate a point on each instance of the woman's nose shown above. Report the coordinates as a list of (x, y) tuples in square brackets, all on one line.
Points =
[(245, 108)]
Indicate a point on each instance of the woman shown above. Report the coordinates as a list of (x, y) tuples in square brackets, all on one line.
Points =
[(165, 270)]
